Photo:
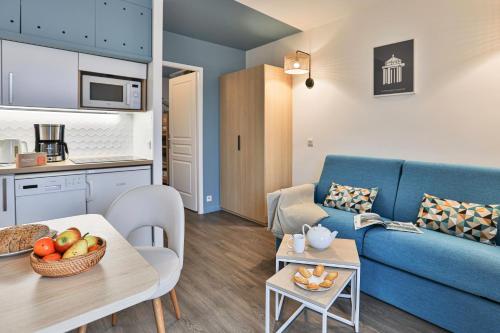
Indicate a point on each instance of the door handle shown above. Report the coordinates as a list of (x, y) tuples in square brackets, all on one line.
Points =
[(11, 88), (239, 143), (4, 194), (127, 93)]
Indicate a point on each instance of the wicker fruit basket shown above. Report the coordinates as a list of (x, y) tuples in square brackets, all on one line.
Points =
[(70, 266)]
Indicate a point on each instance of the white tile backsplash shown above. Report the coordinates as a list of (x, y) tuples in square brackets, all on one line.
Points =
[(86, 134)]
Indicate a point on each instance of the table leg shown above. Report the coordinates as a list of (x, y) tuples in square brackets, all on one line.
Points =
[(358, 300), (324, 325), (268, 314), (276, 297), (353, 298)]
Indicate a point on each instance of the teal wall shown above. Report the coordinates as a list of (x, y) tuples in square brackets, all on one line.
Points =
[(215, 60)]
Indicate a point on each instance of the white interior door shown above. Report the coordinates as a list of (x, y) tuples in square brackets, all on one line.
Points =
[(183, 103)]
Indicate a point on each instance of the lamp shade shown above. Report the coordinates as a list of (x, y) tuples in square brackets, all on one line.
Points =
[(296, 63)]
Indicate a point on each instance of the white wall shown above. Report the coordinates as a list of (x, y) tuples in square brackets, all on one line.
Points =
[(453, 117), (155, 91)]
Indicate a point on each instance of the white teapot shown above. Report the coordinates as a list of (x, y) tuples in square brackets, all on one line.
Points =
[(319, 237)]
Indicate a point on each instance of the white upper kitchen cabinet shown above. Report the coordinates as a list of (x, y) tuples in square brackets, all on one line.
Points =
[(39, 76), (7, 205)]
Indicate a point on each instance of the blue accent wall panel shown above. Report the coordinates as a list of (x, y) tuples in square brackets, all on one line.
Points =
[(215, 60)]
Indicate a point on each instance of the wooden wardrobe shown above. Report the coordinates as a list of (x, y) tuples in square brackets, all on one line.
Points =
[(255, 139)]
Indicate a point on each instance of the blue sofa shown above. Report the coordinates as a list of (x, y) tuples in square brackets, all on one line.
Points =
[(451, 282)]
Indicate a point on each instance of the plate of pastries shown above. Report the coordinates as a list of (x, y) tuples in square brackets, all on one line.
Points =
[(315, 279)]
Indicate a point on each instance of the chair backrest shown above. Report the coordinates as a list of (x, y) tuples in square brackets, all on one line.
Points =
[(153, 205)]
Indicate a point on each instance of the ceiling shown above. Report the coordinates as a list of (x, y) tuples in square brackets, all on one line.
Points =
[(225, 22), (307, 14)]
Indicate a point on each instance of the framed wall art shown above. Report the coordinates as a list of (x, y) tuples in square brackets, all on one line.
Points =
[(393, 69)]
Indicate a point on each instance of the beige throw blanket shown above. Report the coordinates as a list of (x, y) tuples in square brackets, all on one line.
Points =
[(290, 208)]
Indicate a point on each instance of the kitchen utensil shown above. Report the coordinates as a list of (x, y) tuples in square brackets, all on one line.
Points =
[(299, 243), (9, 148), (319, 237)]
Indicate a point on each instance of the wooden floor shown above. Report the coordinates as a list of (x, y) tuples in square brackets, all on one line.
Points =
[(227, 260)]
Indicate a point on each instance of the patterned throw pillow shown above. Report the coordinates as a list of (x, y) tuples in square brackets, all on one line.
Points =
[(466, 220), (352, 199)]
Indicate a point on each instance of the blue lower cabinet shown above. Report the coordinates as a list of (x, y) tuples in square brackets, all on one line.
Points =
[(10, 15), (70, 21), (123, 27)]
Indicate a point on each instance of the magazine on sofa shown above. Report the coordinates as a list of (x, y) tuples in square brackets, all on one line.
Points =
[(367, 219)]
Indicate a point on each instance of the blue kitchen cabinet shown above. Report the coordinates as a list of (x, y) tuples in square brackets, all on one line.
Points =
[(10, 15), (123, 27), (144, 3), (68, 21)]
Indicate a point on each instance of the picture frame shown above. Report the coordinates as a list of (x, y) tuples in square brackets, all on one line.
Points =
[(394, 69)]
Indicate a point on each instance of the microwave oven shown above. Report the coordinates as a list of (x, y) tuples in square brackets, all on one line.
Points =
[(110, 92)]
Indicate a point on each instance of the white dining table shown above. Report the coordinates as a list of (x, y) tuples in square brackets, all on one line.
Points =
[(32, 303)]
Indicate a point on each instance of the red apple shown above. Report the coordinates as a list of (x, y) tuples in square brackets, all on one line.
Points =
[(66, 239), (76, 230)]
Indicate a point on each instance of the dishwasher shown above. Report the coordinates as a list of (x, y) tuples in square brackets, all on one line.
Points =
[(41, 197)]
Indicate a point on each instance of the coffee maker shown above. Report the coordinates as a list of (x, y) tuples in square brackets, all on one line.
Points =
[(49, 138)]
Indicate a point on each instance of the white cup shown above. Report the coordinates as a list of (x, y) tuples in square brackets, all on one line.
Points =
[(299, 243)]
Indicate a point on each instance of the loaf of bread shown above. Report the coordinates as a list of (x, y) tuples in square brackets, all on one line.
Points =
[(18, 238)]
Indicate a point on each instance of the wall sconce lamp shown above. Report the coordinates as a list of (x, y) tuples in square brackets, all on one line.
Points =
[(297, 63)]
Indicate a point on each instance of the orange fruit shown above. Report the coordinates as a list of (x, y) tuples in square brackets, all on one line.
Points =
[(44, 246), (52, 257)]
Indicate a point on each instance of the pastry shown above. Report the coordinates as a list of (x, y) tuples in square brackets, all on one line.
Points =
[(313, 286), (300, 279), (304, 272), (319, 270), (21, 237), (326, 284), (331, 276)]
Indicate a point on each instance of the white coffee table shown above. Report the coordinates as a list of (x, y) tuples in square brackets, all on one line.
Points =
[(342, 253), (282, 284)]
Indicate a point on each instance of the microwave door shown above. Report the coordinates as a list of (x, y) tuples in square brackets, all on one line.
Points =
[(102, 92)]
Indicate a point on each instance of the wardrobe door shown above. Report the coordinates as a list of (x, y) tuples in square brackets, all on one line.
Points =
[(252, 147), (278, 132), (231, 90)]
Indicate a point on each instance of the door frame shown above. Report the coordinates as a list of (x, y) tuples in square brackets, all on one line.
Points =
[(199, 126)]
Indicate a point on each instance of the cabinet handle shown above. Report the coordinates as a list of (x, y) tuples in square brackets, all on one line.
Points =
[(11, 88), (4, 194), (89, 190), (239, 143)]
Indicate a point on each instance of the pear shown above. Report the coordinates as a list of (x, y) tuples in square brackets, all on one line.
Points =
[(91, 240), (78, 249)]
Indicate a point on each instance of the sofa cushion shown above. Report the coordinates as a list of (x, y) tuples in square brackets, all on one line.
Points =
[(462, 183), (351, 199), (343, 222), (468, 266), (461, 219), (362, 172)]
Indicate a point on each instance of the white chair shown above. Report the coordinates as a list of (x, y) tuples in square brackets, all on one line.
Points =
[(159, 206)]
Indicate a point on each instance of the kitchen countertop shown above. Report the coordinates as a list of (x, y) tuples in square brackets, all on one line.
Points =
[(70, 166)]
